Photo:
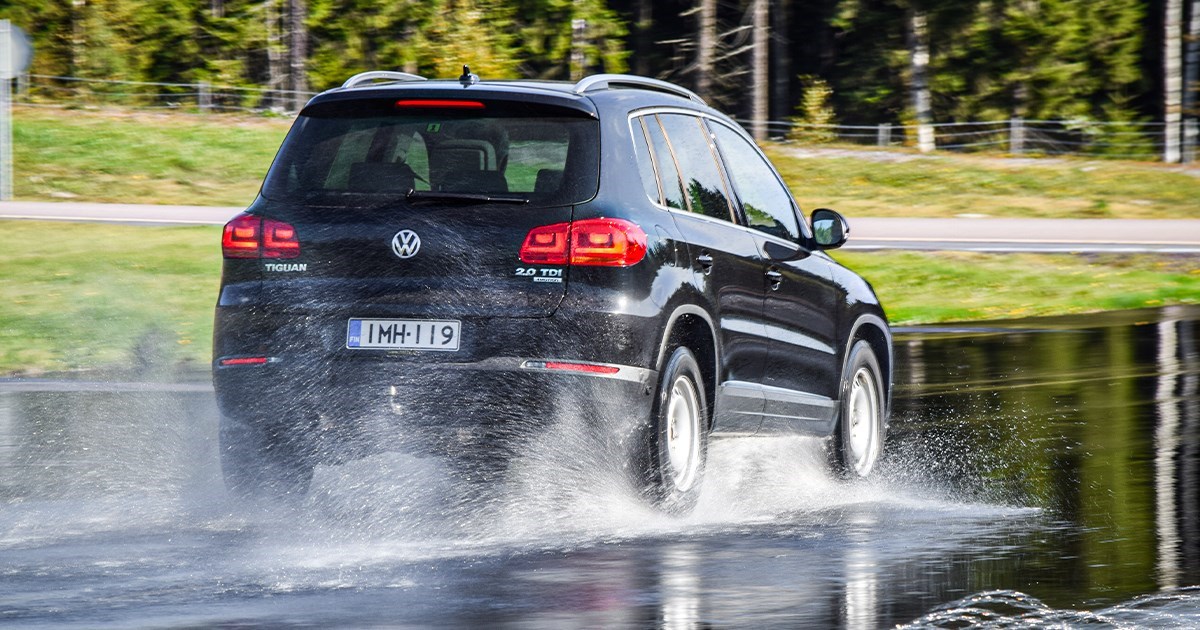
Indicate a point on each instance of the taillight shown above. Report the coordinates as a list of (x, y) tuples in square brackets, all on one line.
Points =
[(607, 243), (546, 245), (590, 242), (241, 237), (279, 240), (248, 236)]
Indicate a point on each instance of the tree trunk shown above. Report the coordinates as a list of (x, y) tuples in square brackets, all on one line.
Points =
[(759, 84), (1172, 80), (276, 79), (706, 43), (1191, 84), (642, 42), (918, 47), (78, 36), (578, 63), (781, 59), (298, 53)]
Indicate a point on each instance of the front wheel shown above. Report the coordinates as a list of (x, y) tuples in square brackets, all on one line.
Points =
[(677, 437), (857, 442)]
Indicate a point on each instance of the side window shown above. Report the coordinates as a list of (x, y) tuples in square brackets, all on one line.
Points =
[(668, 172), (769, 207), (702, 180), (645, 162)]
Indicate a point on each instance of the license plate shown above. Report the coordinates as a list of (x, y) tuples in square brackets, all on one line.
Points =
[(402, 334)]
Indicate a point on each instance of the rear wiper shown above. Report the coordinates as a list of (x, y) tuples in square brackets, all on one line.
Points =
[(466, 198)]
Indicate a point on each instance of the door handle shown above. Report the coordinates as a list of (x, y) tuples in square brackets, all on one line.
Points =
[(775, 278), (706, 263)]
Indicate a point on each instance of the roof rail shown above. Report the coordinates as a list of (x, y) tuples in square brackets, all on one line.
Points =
[(605, 81), (367, 77)]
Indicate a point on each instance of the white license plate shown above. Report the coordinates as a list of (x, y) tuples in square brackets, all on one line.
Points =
[(407, 334)]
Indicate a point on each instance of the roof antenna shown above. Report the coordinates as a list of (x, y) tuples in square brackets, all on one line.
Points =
[(468, 79)]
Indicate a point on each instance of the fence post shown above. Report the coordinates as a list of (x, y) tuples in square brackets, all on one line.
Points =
[(884, 137), (1016, 136), (1191, 133), (204, 96)]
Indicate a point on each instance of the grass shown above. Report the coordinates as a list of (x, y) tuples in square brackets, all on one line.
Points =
[(930, 287), (899, 184), (89, 296), (123, 157), (80, 295), (135, 157)]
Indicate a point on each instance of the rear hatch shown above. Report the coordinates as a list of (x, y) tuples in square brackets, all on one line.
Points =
[(415, 204)]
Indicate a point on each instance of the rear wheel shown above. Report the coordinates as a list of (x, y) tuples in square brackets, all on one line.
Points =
[(677, 437), (257, 465), (857, 441)]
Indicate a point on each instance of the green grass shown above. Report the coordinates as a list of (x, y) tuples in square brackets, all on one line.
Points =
[(91, 296), (77, 295), (929, 287), (947, 185), (133, 157), (142, 158)]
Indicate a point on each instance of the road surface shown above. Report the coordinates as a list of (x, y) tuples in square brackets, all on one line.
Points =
[(1181, 236)]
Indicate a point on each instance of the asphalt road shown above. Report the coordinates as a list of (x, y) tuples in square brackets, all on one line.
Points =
[(964, 234)]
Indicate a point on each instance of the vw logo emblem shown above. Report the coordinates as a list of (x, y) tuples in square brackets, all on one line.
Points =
[(406, 244)]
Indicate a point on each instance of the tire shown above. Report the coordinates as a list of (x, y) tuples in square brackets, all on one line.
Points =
[(676, 439), (857, 442), (258, 466)]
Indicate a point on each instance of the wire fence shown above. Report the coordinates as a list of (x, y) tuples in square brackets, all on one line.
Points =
[(200, 97), (1123, 140)]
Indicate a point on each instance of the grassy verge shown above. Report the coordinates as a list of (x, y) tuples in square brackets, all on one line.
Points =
[(142, 158), (898, 184), (79, 296), (929, 287), (128, 157)]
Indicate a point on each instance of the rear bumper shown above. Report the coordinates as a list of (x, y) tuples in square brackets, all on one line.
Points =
[(331, 411)]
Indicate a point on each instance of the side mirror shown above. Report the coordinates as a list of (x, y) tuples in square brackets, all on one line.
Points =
[(830, 229)]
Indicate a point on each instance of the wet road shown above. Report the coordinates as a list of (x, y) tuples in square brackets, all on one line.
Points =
[(1045, 471)]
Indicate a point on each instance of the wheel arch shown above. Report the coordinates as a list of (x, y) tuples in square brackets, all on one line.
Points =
[(875, 331), (692, 327)]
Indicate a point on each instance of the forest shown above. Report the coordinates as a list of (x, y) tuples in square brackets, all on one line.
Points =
[(853, 61)]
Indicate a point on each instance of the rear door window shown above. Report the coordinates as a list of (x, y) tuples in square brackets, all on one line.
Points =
[(355, 151), (697, 161)]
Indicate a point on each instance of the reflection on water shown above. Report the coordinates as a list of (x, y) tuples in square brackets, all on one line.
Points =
[(1043, 470), (1096, 419)]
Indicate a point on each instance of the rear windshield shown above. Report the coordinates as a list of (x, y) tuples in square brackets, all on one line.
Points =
[(366, 152)]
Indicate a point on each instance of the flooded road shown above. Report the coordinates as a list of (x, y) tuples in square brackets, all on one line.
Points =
[(1039, 471)]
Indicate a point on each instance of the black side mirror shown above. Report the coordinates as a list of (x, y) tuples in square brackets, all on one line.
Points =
[(830, 229)]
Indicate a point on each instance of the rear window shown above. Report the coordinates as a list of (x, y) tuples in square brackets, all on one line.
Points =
[(357, 152)]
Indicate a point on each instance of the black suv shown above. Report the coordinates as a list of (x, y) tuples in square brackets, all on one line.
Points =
[(452, 265)]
